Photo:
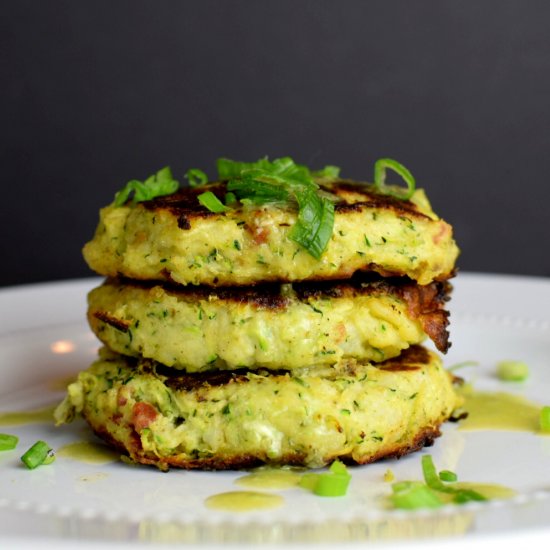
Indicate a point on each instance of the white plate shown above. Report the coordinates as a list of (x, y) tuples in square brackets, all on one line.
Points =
[(493, 318)]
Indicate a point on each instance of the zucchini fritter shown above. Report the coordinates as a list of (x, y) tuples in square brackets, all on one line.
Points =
[(358, 412), (268, 326), (174, 238)]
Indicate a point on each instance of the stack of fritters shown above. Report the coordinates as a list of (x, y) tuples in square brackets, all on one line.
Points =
[(226, 344)]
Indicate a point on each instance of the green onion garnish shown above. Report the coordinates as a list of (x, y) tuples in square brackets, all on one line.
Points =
[(411, 495), (40, 453), (284, 181), (512, 371), (157, 185), (433, 492), (447, 475), (313, 229), (333, 483), (211, 202), (545, 419), (263, 181), (331, 172), (195, 177), (434, 482), (8, 442), (380, 168)]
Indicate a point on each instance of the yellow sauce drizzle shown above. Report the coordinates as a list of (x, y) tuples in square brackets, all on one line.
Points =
[(27, 417), (85, 451), (270, 479), (488, 490), (500, 411), (244, 501)]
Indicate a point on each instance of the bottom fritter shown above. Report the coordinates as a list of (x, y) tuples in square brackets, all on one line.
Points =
[(356, 412)]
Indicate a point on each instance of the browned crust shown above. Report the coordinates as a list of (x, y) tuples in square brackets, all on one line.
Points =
[(342, 273), (185, 206), (424, 438), (424, 302), (109, 319), (413, 358)]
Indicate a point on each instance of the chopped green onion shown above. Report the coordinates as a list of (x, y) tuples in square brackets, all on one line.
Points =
[(414, 495), (545, 419), (40, 453), (315, 223), (512, 371), (257, 192), (433, 482), (285, 181), (380, 168), (331, 172), (230, 198), (309, 481), (211, 202), (157, 185), (447, 475), (430, 474), (229, 169), (196, 177), (8, 442), (433, 492), (333, 483), (339, 468)]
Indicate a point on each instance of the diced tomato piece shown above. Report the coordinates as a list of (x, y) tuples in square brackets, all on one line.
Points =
[(143, 414)]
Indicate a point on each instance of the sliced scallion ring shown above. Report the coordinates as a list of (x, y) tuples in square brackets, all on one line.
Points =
[(8, 442), (211, 202), (40, 453), (195, 177), (333, 483), (512, 371), (448, 476), (381, 166)]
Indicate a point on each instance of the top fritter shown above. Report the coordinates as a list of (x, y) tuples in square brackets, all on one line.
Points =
[(222, 234)]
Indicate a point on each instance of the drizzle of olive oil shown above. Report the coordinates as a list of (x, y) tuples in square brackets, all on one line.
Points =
[(35, 416), (270, 479), (490, 491), (500, 411), (244, 501), (90, 453)]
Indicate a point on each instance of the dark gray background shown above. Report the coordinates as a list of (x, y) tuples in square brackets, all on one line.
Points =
[(97, 93)]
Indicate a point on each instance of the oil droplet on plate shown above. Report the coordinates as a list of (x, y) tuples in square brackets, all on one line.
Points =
[(85, 451), (244, 501), (270, 479), (499, 411), (35, 416)]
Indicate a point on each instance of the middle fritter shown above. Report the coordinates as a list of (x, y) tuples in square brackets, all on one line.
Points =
[(268, 326)]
